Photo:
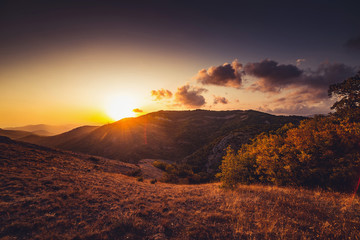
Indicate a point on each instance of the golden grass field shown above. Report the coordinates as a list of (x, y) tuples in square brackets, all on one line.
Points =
[(52, 194)]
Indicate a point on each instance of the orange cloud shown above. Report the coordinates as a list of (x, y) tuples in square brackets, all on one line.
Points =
[(228, 75), (160, 94), (137, 110), (218, 99), (190, 96)]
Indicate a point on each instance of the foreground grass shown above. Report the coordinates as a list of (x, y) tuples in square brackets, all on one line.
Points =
[(48, 194)]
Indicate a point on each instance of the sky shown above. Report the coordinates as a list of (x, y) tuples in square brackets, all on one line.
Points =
[(94, 62)]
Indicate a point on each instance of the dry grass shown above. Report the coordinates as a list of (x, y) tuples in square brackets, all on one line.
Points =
[(48, 194)]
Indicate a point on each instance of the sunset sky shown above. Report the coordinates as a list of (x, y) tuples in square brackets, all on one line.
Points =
[(93, 62)]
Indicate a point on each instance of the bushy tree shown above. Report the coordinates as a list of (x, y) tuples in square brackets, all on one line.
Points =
[(348, 93), (230, 169)]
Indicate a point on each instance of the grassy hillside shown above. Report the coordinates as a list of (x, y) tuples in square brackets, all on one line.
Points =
[(51, 194)]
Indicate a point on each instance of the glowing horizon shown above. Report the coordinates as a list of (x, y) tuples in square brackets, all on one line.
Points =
[(59, 66)]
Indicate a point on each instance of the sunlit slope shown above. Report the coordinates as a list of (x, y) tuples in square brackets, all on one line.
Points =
[(52, 194)]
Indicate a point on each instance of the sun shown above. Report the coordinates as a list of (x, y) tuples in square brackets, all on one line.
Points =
[(119, 107)]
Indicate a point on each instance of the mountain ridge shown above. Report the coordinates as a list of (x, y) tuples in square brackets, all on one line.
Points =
[(44, 129), (170, 135)]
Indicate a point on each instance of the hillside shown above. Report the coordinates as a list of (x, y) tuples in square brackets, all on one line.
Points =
[(52, 194), (171, 135)]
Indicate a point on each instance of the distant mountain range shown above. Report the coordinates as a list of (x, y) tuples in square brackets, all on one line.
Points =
[(44, 129), (195, 137)]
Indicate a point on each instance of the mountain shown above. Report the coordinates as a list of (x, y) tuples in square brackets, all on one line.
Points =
[(170, 135), (55, 194), (44, 129), (63, 141), (14, 134)]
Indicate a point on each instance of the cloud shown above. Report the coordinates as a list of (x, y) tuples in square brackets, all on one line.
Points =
[(304, 101), (299, 61), (137, 110), (161, 94), (292, 90), (302, 110), (228, 75), (190, 96), (272, 76), (326, 74), (353, 43), (218, 99), (301, 96), (308, 93)]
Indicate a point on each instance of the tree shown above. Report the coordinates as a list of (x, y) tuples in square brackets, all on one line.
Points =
[(349, 93), (229, 167)]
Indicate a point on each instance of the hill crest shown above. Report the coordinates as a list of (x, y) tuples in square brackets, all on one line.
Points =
[(180, 136)]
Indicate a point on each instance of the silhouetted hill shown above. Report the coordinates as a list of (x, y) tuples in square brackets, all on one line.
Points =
[(55, 194), (171, 135)]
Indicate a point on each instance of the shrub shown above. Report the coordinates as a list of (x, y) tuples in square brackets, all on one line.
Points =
[(94, 159), (169, 178), (135, 173), (159, 164)]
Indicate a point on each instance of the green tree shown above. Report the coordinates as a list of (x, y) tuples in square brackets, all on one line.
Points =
[(348, 92), (229, 175)]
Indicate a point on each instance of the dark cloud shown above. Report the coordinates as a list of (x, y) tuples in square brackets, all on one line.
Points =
[(228, 75), (353, 43), (137, 110), (306, 93), (300, 91), (326, 74), (160, 94), (303, 100), (272, 76), (190, 96), (218, 99)]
